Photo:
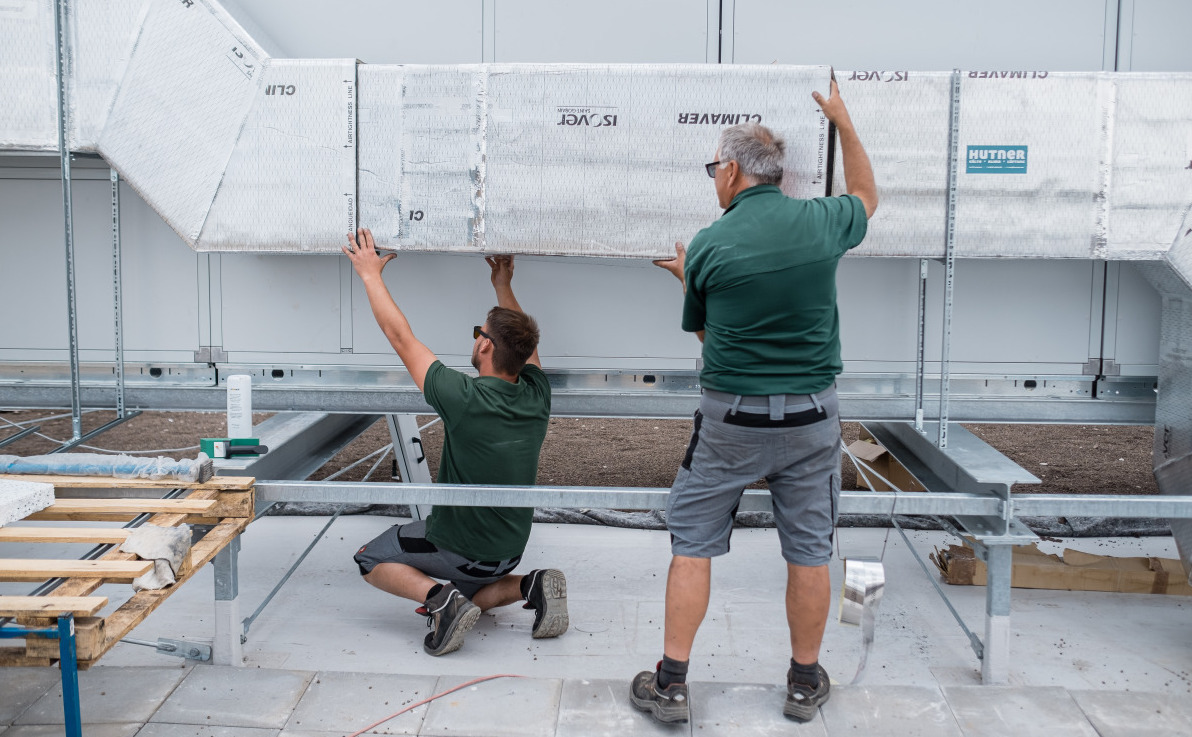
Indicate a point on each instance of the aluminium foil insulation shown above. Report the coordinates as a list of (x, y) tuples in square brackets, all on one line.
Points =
[(293, 165), (186, 94), (28, 76)]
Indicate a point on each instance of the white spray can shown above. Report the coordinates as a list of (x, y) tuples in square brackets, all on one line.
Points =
[(240, 406)]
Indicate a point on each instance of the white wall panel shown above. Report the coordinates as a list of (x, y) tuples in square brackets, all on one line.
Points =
[(922, 34), (1158, 36), (280, 304), (160, 292), (548, 31), (373, 31)]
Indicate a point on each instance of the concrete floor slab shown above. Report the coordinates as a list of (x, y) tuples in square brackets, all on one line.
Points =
[(224, 696), (601, 708), (894, 711), (22, 687), (1135, 714), (503, 707), (90, 730), (159, 729), (752, 709), (993, 711), (348, 702), (109, 696)]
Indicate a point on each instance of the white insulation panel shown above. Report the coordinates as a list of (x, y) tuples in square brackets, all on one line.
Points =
[(1031, 181), (185, 96), (19, 499), (290, 185), (102, 34), (600, 160), (1151, 190), (28, 76), (592, 160), (379, 150), (902, 118)]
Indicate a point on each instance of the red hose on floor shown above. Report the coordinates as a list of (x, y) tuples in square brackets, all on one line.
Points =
[(427, 700)]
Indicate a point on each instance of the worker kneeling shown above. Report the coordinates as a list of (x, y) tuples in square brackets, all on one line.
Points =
[(494, 425)]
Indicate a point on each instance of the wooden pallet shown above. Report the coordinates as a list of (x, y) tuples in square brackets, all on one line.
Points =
[(224, 503)]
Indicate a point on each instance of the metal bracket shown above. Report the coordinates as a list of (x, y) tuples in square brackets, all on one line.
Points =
[(177, 648), (211, 354), (1109, 368), (1092, 368)]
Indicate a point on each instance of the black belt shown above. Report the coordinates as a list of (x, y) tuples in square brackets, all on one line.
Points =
[(762, 419)]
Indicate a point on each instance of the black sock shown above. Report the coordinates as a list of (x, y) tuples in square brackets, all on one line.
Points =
[(433, 591), (672, 671), (524, 586), (807, 675)]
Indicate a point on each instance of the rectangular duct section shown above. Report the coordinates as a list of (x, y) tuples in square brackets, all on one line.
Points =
[(290, 184), (578, 159), (186, 95)]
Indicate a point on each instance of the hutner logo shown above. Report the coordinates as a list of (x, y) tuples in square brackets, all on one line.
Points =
[(593, 116), (996, 160)]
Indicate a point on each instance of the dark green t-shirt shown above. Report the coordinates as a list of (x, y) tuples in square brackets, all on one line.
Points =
[(494, 431), (761, 283)]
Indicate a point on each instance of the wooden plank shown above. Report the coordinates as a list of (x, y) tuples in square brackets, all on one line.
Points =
[(93, 535), (106, 509), (16, 657), (121, 622), (222, 483), (29, 569), (84, 586), (55, 606), (97, 636)]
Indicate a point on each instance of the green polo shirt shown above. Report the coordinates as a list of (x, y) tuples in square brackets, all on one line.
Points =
[(761, 283), (493, 433)]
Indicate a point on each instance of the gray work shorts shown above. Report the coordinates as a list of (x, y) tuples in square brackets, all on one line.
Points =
[(407, 544), (793, 442)]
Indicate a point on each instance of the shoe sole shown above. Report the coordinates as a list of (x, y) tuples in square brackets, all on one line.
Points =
[(457, 631), (662, 714), (554, 595), (803, 712)]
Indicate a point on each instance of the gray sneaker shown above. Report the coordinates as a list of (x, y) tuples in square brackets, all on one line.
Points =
[(802, 702), (667, 705), (451, 614), (548, 598)]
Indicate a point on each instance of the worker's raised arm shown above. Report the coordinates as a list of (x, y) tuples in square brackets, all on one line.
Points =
[(369, 265), (502, 279), (858, 173)]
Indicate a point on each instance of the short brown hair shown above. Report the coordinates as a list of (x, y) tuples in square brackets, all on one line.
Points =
[(515, 337)]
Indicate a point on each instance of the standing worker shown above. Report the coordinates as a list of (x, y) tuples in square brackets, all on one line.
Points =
[(760, 293), (494, 426)]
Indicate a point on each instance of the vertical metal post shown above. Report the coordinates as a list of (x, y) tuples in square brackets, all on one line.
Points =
[(69, 665), (920, 346), (228, 646), (949, 254), (411, 460), (995, 658), (60, 30), (118, 299)]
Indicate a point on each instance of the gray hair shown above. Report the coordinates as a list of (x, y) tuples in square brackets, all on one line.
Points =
[(756, 149)]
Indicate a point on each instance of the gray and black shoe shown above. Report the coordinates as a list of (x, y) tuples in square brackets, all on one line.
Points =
[(451, 614), (546, 594), (667, 705), (803, 701)]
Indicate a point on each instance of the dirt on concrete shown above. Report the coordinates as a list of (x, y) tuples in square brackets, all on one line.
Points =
[(1068, 459)]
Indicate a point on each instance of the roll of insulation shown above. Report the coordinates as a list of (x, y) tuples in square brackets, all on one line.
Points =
[(240, 406)]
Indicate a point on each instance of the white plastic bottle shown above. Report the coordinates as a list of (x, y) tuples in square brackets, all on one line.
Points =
[(240, 406)]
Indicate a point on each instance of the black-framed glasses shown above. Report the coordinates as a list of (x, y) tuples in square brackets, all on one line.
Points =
[(711, 168), (478, 331)]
